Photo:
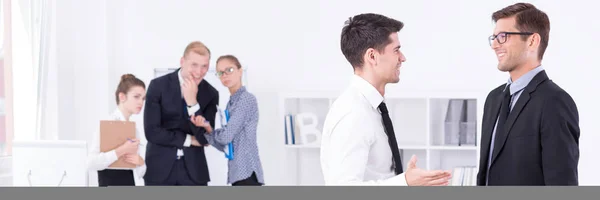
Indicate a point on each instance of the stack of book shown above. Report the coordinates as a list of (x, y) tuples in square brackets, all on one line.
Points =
[(464, 176)]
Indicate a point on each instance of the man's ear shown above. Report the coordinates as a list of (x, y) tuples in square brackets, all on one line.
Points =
[(375, 57), (534, 41), (181, 61), (370, 56)]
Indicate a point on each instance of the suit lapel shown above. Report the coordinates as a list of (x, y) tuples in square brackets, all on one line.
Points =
[(512, 117), (200, 97), (489, 128), (174, 87), (514, 113)]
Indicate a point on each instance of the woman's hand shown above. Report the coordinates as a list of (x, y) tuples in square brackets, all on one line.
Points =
[(200, 121), (129, 147), (134, 159)]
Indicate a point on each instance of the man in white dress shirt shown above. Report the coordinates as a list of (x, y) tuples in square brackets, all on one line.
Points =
[(358, 144)]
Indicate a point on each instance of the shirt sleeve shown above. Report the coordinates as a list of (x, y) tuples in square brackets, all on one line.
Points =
[(193, 109), (351, 141), (211, 140), (245, 109), (99, 160), (141, 170), (188, 141)]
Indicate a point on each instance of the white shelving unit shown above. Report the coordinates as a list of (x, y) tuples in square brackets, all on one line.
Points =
[(419, 122)]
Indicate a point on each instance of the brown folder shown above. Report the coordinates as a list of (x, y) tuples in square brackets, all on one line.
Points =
[(112, 135)]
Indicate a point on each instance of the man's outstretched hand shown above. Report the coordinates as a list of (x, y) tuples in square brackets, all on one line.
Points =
[(420, 177)]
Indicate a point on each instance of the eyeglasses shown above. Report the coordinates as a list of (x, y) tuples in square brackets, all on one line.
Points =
[(227, 71), (503, 36)]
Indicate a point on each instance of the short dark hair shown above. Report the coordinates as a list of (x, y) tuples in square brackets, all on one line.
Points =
[(529, 19), (365, 31)]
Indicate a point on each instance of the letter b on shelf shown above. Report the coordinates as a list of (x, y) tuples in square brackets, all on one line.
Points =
[(307, 126)]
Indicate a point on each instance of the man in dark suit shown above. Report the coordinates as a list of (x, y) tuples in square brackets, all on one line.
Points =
[(530, 128), (175, 150)]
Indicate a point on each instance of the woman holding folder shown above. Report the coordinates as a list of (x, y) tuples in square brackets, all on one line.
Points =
[(130, 96), (242, 112)]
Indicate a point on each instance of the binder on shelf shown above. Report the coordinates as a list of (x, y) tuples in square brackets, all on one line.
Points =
[(468, 124), (459, 129), (293, 128), (289, 130), (285, 130), (452, 122)]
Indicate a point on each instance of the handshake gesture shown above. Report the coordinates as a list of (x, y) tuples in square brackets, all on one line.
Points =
[(129, 151)]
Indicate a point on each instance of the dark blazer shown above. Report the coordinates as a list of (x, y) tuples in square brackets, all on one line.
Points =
[(541, 143), (166, 126)]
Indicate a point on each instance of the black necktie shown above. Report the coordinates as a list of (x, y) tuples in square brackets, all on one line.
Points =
[(389, 130), (503, 115)]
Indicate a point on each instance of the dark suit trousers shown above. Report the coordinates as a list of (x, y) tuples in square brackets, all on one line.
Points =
[(179, 176)]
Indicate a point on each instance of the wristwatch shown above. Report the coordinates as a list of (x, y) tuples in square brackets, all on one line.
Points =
[(192, 105)]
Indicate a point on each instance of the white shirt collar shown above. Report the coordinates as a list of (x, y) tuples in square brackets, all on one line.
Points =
[(118, 115), (367, 90), (181, 81)]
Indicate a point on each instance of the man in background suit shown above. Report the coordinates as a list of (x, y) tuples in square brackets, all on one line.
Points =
[(175, 151), (530, 133)]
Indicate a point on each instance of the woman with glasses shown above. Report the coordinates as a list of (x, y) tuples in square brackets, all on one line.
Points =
[(240, 131)]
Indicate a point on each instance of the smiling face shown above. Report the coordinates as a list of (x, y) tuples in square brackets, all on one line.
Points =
[(520, 38), (514, 51), (194, 66), (389, 61)]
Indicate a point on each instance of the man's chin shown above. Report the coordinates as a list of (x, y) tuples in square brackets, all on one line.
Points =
[(395, 80), (503, 68)]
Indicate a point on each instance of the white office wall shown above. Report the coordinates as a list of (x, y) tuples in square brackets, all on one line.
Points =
[(21, 57), (81, 56), (83, 70), (294, 46)]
